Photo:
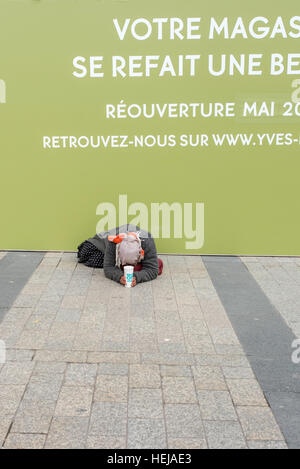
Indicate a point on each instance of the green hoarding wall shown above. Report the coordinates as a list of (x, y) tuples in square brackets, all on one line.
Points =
[(110, 101)]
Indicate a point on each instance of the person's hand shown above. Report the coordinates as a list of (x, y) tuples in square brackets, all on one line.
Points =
[(123, 281)]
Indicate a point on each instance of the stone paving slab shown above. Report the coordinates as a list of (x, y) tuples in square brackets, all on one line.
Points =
[(146, 433), (24, 441), (225, 435), (15, 268), (91, 364)]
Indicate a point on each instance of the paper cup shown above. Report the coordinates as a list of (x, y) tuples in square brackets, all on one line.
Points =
[(128, 272)]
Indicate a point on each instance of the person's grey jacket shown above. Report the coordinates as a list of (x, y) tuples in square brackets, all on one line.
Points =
[(149, 263)]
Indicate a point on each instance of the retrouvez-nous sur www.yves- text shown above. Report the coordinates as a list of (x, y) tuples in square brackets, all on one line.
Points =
[(170, 140)]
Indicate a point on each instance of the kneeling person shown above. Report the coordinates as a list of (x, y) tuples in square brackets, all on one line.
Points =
[(120, 247)]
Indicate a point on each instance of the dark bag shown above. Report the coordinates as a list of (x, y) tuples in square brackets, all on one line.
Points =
[(89, 255)]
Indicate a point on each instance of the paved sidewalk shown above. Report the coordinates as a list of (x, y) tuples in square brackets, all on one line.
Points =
[(91, 364)]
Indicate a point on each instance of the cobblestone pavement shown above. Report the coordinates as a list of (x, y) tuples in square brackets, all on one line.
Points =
[(91, 364)]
